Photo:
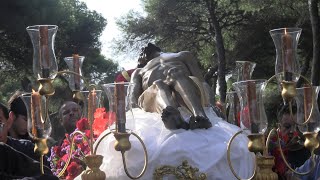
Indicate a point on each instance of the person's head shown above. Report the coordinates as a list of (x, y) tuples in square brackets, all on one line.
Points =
[(287, 121), (18, 115), (69, 115), (5, 123), (151, 51)]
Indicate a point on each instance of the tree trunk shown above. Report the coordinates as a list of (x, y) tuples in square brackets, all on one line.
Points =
[(314, 18), (219, 49), (305, 68)]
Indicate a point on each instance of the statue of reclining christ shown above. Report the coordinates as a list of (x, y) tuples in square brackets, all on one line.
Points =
[(168, 81)]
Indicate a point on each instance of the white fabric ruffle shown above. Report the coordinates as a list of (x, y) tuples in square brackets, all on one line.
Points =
[(204, 149)]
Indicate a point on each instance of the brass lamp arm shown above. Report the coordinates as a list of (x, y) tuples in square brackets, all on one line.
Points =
[(284, 95), (229, 159), (86, 83), (145, 159), (268, 138), (288, 165), (98, 142), (123, 157), (71, 151)]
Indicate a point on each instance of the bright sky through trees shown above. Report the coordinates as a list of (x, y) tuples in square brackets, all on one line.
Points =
[(112, 10)]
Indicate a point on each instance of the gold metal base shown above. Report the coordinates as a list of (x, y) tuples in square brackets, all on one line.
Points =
[(311, 142), (77, 96), (41, 148), (181, 172), (46, 87), (264, 171), (288, 90), (94, 173), (122, 142), (256, 143)]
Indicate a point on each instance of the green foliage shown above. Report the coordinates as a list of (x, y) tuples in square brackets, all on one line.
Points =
[(177, 25), (79, 30)]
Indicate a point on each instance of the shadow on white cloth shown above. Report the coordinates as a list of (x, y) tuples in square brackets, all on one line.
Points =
[(204, 149)]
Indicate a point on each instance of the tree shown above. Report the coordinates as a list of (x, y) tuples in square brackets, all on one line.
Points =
[(185, 25), (314, 18), (79, 32)]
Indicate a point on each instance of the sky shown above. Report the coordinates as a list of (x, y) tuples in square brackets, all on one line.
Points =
[(112, 10)]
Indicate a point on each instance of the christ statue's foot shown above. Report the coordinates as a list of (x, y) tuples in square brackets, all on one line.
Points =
[(172, 119), (199, 122)]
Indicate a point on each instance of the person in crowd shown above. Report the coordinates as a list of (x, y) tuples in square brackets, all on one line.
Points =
[(18, 115), (168, 81), (307, 166), (70, 113), (291, 143), (18, 159)]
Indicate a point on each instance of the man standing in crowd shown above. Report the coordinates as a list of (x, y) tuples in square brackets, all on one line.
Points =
[(69, 114), (18, 159), (18, 116)]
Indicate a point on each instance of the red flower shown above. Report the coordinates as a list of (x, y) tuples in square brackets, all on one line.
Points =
[(57, 149), (60, 154), (83, 124), (73, 170), (102, 120)]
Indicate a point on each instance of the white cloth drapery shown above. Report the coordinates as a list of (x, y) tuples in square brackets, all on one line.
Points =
[(205, 149)]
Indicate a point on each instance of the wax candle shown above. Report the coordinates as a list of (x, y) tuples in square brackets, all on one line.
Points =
[(245, 72), (37, 122), (120, 107), (44, 51), (252, 106), (91, 109), (76, 68), (287, 57)]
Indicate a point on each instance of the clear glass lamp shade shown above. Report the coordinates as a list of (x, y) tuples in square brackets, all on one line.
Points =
[(75, 65), (120, 107), (44, 59), (304, 106), (244, 70), (96, 102), (39, 125), (287, 66), (253, 117)]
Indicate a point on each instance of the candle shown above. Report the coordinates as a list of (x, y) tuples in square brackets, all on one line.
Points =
[(91, 109), (245, 71), (252, 106), (76, 68), (286, 40), (44, 51), (120, 107), (236, 108), (37, 122)]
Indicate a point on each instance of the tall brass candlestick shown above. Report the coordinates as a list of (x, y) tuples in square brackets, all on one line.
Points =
[(120, 107)]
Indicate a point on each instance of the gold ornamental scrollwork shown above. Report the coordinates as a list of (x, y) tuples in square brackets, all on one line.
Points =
[(181, 172)]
